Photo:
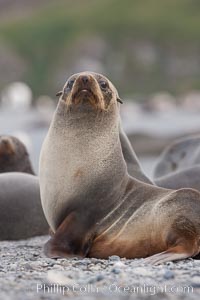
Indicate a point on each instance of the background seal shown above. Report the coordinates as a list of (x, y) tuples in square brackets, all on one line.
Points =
[(21, 214), (179, 164), (14, 156)]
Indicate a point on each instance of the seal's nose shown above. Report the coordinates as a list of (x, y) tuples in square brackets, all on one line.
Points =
[(85, 79)]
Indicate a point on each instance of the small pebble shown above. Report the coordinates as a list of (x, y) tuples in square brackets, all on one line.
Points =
[(56, 277), (168, 274), (116, 271), (114, 258), (100, 277), (119, 264), (195, 281), (27, 267)]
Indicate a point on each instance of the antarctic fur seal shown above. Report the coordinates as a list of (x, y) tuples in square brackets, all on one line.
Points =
[(181, 154), (14, 156), (186, 178), (179, 164), (92, 204), (21, 214)]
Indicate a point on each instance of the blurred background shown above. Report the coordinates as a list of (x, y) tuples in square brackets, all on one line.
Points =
[(149, 49)]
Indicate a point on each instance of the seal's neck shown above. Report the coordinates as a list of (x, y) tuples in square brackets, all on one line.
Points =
[(82, 165), (88, 145)]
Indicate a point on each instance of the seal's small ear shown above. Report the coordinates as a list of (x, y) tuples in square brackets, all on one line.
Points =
[(119, 100), (59, 94)]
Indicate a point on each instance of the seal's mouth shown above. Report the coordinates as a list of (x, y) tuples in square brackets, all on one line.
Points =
[(86, 93)]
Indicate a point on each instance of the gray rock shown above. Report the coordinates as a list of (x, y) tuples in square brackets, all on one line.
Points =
[(195, 281), (100, 277), (168, 274), (114, 258), (116, 271)]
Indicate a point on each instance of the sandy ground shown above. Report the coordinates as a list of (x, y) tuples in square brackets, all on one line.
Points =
[(25, 273)]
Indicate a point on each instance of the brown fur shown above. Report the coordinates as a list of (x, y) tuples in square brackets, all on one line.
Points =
[(107, 211), (90, 91), (7, 147), (14, 156), (78, 173)]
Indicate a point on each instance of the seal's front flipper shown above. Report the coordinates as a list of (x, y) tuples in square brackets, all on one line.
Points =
[(70, 239)]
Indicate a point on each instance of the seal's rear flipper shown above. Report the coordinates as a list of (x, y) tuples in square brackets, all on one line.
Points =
[(69, 240), (172, 254)]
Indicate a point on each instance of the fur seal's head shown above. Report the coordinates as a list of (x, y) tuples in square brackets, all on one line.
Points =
[(89, 89), (14, 156), (7, 146)]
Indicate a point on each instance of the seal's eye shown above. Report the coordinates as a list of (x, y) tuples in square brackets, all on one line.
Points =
[(70, 84), (103, 84)]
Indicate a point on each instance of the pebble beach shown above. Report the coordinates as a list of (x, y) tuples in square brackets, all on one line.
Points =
[(25, 273)]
